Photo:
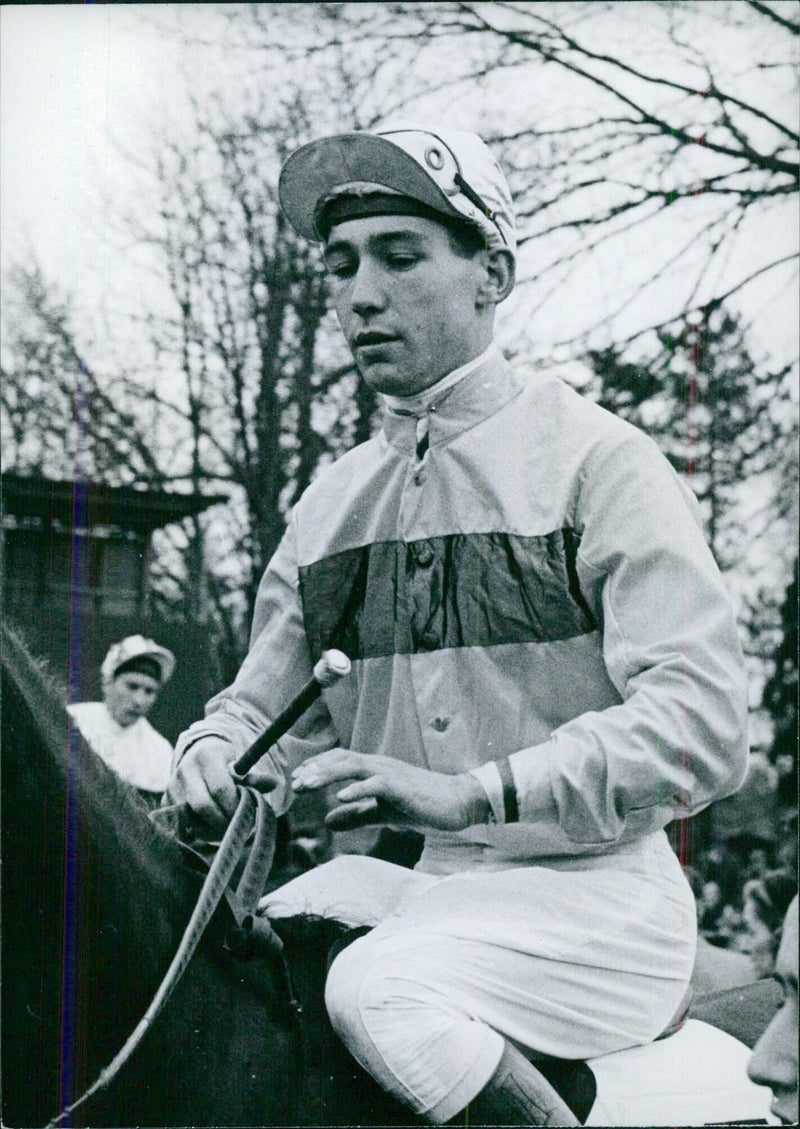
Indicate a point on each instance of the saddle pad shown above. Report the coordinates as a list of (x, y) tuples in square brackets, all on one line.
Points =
[(695, 1077)]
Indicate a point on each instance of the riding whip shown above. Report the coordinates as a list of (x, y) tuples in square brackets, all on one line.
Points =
[(332, 666)]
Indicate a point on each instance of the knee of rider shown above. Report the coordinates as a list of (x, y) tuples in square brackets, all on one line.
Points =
[(348, 987)]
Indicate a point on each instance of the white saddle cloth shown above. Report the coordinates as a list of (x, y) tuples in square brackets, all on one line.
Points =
[(696, 1077)]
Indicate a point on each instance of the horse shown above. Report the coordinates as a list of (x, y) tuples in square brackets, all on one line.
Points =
[(95, 898)]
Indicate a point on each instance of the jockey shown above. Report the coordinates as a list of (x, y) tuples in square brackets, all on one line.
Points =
[(133, 674), (546, 670)]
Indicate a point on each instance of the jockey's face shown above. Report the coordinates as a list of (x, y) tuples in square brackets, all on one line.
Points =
[(411, 307), (774, 1061), (130, 696)]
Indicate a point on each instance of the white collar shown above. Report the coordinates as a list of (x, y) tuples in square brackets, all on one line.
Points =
[(420, 402)]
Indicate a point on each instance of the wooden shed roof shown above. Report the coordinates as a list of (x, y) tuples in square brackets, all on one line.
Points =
[(83, 505)]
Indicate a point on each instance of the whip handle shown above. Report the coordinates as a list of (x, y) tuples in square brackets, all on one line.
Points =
[(331, 667)]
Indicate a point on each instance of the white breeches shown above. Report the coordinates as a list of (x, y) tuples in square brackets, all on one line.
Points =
[(568, 962)]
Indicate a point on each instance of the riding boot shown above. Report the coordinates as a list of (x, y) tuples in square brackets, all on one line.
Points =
[(516, 1094)]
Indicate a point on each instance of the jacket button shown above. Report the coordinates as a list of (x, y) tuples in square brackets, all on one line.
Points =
[(429, 640), (440, 724), (423, 554)]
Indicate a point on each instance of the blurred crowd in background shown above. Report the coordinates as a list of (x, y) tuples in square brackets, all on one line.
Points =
[(744, 874)]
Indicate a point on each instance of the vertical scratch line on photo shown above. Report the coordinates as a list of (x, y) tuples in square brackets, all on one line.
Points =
[(77, 582)]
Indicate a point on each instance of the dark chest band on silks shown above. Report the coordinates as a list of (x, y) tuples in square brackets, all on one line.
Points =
[(343, 208)]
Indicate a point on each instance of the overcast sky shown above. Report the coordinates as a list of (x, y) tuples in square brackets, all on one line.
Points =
[(73, 78), (81, 83)]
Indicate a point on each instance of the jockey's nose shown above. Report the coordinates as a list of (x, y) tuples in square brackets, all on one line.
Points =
[(366, 290), (774, 1059), (143, 698)]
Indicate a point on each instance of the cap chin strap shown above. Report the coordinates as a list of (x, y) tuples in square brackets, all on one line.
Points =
[(475, 199)]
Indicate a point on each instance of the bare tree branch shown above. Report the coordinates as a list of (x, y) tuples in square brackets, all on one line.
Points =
[(765, 10)]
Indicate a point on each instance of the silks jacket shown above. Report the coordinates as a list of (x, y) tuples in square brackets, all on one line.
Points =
[(532, 600)]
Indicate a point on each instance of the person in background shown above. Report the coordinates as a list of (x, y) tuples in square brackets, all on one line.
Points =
[(774, 1060), (720, 897), (710, 905), (746, 822), (764, 903), (786, 854), (758, 863), (716, 969), (133, 673)]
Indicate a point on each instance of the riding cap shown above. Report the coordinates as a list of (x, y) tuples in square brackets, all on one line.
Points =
[(134, 647), (449, 172)]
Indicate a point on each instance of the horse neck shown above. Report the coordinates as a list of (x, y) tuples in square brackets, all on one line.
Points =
[(78, 839)]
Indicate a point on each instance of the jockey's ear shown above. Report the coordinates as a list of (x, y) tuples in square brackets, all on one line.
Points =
[(500, 277)]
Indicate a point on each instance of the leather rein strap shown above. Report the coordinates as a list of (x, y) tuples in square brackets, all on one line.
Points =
[(253, 814)]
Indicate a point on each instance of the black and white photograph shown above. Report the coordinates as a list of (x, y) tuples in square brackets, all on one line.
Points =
[(399, 509)]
